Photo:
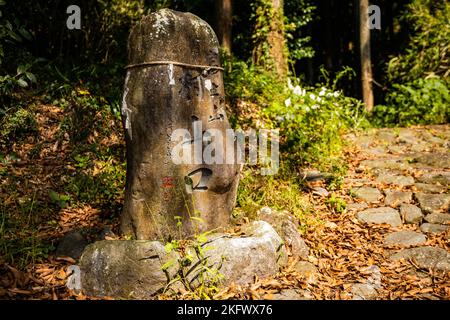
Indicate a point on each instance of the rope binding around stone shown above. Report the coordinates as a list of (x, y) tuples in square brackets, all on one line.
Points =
[(175, 63)]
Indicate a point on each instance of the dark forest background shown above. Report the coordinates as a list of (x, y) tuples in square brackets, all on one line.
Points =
[(320, 33)]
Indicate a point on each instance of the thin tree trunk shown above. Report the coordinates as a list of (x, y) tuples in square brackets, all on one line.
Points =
[(224, 11), (366, 63)]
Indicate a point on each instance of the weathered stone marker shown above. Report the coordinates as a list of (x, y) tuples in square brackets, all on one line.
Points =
[(173, 81)]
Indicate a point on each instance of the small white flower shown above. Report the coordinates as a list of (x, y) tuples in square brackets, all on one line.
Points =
[(297, 90), (287, 102), (336, 94), (312, 96), (323, 91), (307, 109), (290, 84), (314, 107), (319, 100)]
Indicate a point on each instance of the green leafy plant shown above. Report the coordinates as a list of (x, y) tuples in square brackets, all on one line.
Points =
[(20, 244), (16, 124), (59, 199), (336, 204), (192, 269), (312, 120), (427, 54), (22, 78), (298, 14), (423, 101), (100, 181), (281, 192), (419, 77), (12, 37)]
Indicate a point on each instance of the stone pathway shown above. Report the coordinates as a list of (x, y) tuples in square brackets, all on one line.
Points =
[(392, 241), (401, 177), (404, 178)]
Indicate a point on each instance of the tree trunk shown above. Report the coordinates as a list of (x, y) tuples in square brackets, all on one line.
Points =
[(366, 64), (277, 43), (224, 24), (274, 57)]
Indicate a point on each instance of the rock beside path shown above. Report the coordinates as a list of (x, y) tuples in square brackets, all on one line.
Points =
[(368, 194), (436, 160), (307, 270), (405, 238), (442, 178), (430, 188), (426, 257), (433, 228), (398, 180), (286, 226), (357, 206), (433, 203), (439, 218), (260, 252), (411, 214), (292, 294), (293, 239), (369, 289), (394, 197), (71, 245), (380, 165), (134, 269), (380, 215), (364, 291), (126, 269)]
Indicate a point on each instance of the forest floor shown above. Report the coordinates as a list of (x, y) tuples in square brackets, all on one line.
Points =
[(387, 237)]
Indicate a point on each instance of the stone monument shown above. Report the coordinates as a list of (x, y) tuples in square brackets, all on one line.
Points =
[(174, 81)]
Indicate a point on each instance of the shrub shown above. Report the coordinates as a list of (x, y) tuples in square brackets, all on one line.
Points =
[(419, 78), (17, 124), (427, 53), (298, 13), (311, 119), (15, 73), (423, 101)]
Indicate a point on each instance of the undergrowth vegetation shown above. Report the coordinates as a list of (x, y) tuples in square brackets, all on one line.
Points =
[(58, 161), (419, 77), (311, 120)]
